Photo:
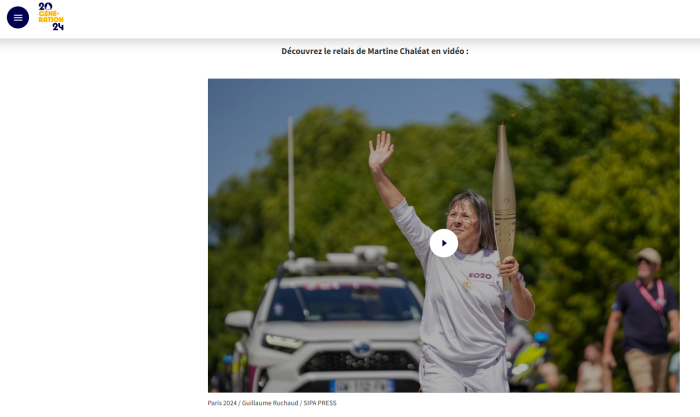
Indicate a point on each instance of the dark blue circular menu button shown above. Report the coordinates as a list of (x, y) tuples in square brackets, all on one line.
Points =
[(18, 17)]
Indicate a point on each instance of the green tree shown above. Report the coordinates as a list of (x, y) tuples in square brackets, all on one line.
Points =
[(623, 196)]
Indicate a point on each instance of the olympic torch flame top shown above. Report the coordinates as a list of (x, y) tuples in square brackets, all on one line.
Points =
[(503, 186)]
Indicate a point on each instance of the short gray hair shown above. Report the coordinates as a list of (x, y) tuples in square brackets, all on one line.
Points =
[(487, 233)]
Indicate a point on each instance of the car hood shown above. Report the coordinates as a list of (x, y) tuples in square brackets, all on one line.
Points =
[(344, 330)]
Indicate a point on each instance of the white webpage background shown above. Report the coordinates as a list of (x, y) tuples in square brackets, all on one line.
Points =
[(103, 174), (367, 19)]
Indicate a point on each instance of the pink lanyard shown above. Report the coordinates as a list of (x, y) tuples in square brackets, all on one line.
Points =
[(657, 304)]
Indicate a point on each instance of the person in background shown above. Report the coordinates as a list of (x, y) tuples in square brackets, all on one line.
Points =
[(674, 373), (592, 375), (649, 307), (550, 374), (221, 381)]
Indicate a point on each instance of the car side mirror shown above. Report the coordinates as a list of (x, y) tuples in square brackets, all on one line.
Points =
[(241, 321)]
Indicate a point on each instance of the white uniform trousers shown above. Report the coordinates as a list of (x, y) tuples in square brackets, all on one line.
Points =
[(440, 375)]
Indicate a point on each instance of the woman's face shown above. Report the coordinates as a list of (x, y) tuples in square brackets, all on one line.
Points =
[(591, 354), (463, 222)]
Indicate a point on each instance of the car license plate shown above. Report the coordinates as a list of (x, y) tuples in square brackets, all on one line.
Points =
[(362, 385)]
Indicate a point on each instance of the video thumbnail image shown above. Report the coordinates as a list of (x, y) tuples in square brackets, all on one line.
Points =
[(444, 235)]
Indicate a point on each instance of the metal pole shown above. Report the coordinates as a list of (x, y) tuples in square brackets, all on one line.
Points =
[(290, 146)]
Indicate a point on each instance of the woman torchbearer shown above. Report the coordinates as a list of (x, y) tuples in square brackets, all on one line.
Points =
[(462, 328)]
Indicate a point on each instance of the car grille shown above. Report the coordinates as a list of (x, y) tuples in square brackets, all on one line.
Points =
[(345, 361), (400, 385)]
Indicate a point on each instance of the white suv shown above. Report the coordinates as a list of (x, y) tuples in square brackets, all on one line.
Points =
[(330, 331)]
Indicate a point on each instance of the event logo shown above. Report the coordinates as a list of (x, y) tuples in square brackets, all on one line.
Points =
[(18, 17), (47, 14)]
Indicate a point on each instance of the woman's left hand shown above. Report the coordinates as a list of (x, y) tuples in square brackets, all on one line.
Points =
[(523, 305), (509, 268)]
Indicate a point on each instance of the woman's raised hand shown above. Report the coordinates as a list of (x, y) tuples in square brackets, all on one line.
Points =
[(377, 159), (380, 156)]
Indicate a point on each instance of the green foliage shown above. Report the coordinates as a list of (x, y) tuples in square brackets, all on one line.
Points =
[(597, 171)]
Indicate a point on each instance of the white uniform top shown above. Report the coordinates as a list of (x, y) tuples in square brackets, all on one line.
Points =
[(464, 298)]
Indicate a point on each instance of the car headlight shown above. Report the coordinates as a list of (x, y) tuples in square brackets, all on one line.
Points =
[(283, 344)]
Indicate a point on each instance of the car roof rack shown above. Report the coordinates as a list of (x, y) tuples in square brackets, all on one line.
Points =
[(385, 269), (362, 259)]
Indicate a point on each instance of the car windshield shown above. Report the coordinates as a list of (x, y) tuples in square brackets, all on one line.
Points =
[(334, 302)]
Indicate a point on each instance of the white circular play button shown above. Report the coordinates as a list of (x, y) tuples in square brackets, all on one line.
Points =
[(443, 243)]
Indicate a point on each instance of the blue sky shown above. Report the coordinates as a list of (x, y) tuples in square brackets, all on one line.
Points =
[(245, 114)]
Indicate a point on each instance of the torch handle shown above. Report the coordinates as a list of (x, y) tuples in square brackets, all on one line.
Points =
[(504, 221)]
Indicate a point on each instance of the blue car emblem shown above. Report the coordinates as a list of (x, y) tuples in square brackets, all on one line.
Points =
[(360, 348)]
